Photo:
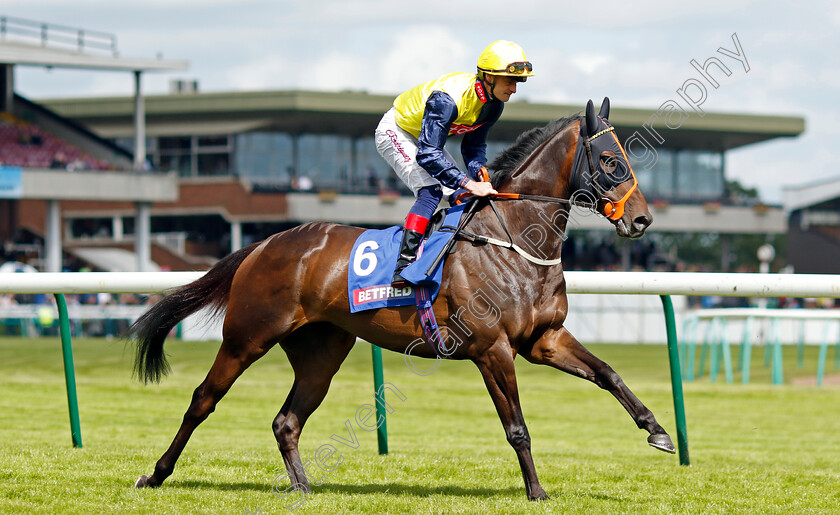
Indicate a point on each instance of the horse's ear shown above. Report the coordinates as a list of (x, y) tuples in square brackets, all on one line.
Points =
[(591, 120), (605, 109)]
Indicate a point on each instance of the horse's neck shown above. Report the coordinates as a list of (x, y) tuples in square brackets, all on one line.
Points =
[(537, 226), (547, 170)]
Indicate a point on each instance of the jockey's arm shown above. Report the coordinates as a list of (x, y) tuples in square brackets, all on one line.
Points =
[(474, 145), (440, 112)]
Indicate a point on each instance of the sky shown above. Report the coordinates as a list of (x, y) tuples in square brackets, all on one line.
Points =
[(637, 53)]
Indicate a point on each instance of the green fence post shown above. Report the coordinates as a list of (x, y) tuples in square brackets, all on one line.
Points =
[(379, 395), (778, 375), (704, 350), (676, 379), (800, 350), (725, 351), (823, 353), (768, 349), (837, 353), (692, 350), (714, 351), (69, 372), (687, 346), (746, 351), (821, 363)]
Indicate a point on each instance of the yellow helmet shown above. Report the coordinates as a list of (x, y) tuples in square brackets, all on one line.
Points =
[(505, 58)]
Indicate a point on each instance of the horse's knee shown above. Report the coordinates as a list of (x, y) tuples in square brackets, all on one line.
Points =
[(519, 438), (285, 432)]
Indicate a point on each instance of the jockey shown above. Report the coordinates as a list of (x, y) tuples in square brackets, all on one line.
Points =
[(412, 134)]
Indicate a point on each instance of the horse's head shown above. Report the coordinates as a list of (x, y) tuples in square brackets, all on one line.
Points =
[(602, 175)]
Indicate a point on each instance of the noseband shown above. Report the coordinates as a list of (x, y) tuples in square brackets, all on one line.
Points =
[(612, 210)]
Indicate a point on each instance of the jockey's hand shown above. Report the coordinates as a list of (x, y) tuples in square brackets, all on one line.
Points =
[(480, 189)]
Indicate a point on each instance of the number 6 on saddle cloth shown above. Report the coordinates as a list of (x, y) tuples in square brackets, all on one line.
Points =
[(372, 263)]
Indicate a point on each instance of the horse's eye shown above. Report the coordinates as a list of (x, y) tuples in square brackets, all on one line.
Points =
[(609, 161)]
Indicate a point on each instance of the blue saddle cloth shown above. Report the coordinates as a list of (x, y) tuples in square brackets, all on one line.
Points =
[(374, 257)]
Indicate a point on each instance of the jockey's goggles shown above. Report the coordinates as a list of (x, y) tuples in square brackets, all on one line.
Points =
[(520, 68)]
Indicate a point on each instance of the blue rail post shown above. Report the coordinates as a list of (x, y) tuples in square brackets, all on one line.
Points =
[(676, 379), (69, 372)]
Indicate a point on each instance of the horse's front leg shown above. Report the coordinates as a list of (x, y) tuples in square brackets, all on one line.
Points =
[(496, 366), (559, 349)]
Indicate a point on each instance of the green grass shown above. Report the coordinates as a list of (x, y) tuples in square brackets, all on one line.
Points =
[(754, 449)]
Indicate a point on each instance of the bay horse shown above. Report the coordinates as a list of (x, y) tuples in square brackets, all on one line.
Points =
[(291, 290)]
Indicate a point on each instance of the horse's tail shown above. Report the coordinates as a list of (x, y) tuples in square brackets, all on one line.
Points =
[(151, 329)]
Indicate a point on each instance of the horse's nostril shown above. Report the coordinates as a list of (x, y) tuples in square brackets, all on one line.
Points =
[(643, 220)]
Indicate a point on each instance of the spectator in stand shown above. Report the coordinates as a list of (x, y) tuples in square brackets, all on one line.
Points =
[(59, 161), (76, 165), (30, 136)]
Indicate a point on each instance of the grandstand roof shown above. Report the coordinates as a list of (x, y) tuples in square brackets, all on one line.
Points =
[(810, 194), (357, 113), (18, 53)]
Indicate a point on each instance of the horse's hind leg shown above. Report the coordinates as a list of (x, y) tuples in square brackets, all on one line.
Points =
[(316, 352), (233, 358), (558, 348)]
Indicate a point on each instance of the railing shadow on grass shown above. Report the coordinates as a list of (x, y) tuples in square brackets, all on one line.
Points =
[(355, 489), (417, 490)]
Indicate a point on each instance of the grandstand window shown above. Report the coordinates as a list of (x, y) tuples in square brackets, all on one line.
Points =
[(265, 158), (213, 154), (195, 155), (214, 164), (183, 143), (656, 178), (325, 160), (180, 163), (372, 172), (214, 141), (699, 175)]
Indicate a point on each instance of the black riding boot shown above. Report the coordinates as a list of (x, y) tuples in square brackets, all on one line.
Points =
[(408, 252)]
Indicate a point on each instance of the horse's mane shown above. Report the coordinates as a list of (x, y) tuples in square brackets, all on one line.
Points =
[(510, 158)]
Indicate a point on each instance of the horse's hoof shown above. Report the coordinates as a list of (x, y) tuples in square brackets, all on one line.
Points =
[(662, 442), (538, 496), (143, 482)]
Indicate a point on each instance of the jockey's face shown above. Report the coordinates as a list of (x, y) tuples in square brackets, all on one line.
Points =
[(501, 86)]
